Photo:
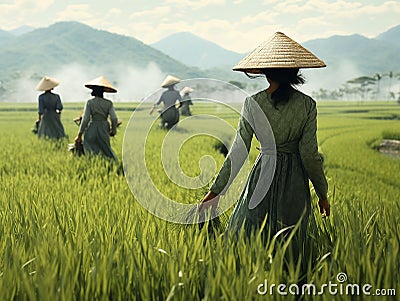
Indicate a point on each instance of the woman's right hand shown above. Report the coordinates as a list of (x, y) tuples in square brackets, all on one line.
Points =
[(324, 208)]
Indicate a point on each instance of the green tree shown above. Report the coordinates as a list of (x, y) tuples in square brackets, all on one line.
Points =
[(378, 78), (389, 74), (363, 84), (240, 85)]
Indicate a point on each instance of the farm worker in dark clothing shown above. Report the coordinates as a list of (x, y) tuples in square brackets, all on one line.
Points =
[(49, 110), (169, 114), (292, 117), (186, 101), (94, 121)]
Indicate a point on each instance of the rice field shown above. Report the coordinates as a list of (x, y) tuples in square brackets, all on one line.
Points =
[(72, 230)]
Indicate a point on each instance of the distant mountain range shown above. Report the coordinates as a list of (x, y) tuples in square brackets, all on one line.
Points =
[(195, 51), (21, 30), (346, 56), (369, 56), (27, 52), (45, 50), (48, 50)]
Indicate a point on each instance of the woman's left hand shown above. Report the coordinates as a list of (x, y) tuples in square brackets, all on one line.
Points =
[(78, 139), (324, 208)]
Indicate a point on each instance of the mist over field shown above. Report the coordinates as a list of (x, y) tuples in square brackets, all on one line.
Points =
[(132, 83)]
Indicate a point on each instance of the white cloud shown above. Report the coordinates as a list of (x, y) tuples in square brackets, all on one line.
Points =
[(260, 18), (19, 12), (24, 6), (75, 12), (238, 25), (269, 2), (194, 4), (153, 14), (115, 11)]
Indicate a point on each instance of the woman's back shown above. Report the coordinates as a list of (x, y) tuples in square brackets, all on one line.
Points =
[(49, 102), (287, 120), (99, 108), (50, 107), (169, 98)]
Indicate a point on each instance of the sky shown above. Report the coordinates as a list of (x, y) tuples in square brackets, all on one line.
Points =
[(238, 25)]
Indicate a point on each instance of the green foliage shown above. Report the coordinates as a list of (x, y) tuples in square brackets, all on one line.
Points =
[(238, 84), (71, 229), (391, 134)]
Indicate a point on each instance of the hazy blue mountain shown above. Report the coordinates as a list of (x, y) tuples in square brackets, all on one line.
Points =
[(45, 50), (5, 37), (357, 52), (195, 51), (346, 56), (48, 50), (21, 30), (392, 36)]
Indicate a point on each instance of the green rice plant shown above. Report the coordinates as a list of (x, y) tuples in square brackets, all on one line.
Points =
[(391, 133), (72, 230)]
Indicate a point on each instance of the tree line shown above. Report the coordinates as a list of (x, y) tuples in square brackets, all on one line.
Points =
[(379, 86)]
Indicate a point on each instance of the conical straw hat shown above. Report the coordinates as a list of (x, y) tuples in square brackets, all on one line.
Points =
[(186, 90), (170, 80), (47, 83), (278, 52), (101, 82)]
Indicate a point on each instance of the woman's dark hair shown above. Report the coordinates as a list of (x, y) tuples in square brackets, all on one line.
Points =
[(287, 79), (97, 91)]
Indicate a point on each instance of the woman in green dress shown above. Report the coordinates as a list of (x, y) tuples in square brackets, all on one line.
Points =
[(169, 114), (277, 192), (49, 110), (94, 122)]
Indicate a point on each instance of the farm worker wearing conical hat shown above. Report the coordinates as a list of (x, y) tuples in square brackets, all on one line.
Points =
[(169, 114), (170, 81), (94, 124), (49, 110), (277, 189), (186, 101)]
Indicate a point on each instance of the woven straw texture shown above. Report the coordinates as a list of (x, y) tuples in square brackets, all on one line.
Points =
[(186, 90), (47, 83), (170, 80), (101, 82), (278, 52)]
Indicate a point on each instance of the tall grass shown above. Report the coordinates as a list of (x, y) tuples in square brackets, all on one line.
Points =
[(71, 229)]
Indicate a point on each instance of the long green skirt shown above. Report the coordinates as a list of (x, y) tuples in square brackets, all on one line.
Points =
[(286, 202), (169, 117), (51, 126), (97, 139), (185, 110)]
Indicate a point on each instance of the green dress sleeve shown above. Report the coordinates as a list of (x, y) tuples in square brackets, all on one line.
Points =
[(312, 161), (85, 118), (114, 120), (59, 105), (237, 153)]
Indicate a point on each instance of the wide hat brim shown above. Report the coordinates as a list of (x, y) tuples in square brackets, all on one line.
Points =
[(280, 51), (101, 82), (170, 80), (47, 83), (186, 90)]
